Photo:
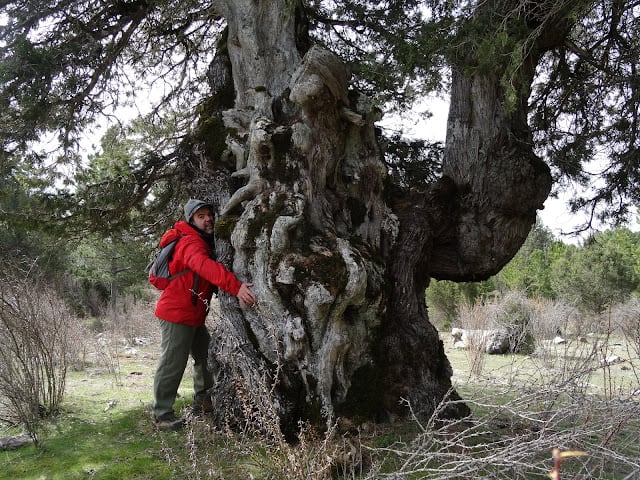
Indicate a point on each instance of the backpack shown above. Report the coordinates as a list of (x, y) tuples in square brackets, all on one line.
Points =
[(159, 275)]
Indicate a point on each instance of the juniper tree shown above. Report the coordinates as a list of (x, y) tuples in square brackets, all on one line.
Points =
[(269, 110)]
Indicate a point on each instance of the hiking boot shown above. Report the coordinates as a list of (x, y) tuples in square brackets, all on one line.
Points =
[(201, 406), (168, 422)]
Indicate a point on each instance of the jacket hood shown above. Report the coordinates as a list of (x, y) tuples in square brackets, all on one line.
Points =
[(192, 206)]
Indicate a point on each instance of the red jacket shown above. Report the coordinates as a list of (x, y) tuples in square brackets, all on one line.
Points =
[(192, 252)]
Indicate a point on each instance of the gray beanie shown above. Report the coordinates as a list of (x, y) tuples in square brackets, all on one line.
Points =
[(192, 206)]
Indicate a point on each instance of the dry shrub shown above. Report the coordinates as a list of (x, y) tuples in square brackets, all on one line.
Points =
[(552, 318), (512, 433), (627, 319), (476, 319), (515, 426), (558, 351), (135, 319), (131, 326), (569, 365), (35, 348), (514, 316), (505, 322)]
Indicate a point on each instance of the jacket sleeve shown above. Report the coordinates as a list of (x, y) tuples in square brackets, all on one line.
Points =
[(195, 256)]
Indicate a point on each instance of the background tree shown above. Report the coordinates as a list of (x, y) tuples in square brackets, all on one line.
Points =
[(444, 299), (601, 273), (585, 109), (529, 270), (340, 251), (23, 241)]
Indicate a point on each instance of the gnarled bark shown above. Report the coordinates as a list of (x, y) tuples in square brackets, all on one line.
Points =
[(340, 262)]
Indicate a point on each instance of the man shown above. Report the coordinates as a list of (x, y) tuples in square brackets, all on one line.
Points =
[(182, 309)]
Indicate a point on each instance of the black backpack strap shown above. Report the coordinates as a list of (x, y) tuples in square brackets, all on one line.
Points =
[(179, 274)]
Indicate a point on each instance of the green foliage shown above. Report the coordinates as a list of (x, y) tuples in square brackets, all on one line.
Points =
[(64, 67), (584, 107), (122, 186), (101, 269), (88, 268), (413, 38), (22, 237), (63, 64), (413, 162), (444, 298), (602, 272), (516, 318), (529, 270)]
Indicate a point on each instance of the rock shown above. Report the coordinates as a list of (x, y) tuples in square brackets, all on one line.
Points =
[(611, 360), (491, 341), (16, 441), (497, 343)]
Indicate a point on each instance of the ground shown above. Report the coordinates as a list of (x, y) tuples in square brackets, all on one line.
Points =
[(105, 429)]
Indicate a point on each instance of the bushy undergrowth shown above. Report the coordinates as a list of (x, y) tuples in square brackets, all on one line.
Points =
[(513, 432), (41, 340), (36, 348)]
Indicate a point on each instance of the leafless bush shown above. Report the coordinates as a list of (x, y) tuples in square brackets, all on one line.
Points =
[(134, 319), (500, 326), (514, 315), (512, 434), (570, 364), (557, 349), (35, 349), (627, 318), (551, 318), (516, 426), (476, 319), (132, 326)]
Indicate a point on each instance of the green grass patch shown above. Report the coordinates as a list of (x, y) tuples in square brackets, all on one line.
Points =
[(78, 446), (104, 429)]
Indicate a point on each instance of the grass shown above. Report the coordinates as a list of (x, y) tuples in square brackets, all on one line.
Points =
[(558, 360), (112, 448), (105, 431)]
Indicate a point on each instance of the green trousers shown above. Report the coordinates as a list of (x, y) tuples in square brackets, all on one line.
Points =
[(178, 342)]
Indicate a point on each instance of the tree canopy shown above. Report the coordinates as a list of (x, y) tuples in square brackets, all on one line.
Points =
[(66, 65)]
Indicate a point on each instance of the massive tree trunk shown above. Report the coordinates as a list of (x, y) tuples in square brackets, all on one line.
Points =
[(340, 259)]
